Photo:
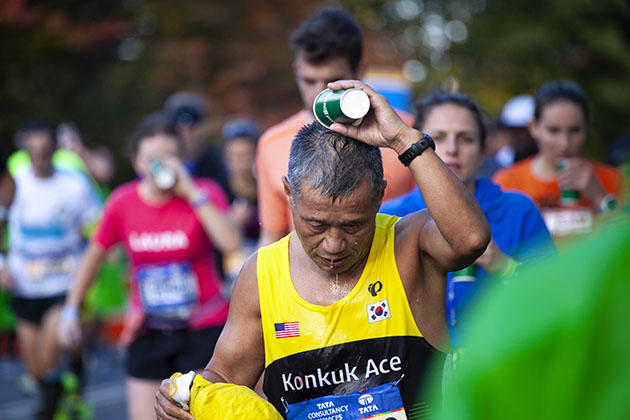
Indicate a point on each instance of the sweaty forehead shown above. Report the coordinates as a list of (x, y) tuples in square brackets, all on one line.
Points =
[(355, 202)]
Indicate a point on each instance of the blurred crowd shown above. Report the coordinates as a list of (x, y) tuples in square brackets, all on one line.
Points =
[(150, 264)]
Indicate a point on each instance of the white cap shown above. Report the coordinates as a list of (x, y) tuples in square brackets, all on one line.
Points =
[(517, 112)]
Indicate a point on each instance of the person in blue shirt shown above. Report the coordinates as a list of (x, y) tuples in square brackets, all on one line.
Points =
[(519, 234)]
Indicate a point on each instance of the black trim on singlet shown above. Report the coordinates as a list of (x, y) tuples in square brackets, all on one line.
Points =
[(354, 366)]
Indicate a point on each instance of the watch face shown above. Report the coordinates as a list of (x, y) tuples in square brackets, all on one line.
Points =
[(609, 204)]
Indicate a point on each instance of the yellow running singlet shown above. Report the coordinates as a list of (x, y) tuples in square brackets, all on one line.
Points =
[(365, 339)]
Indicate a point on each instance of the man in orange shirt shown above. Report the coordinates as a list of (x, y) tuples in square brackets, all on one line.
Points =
[(326, 47)]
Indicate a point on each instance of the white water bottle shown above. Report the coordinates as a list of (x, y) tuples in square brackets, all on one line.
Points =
[(163, 176)]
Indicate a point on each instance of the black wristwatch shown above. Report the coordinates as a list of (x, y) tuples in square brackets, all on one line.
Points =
[(416, 149)]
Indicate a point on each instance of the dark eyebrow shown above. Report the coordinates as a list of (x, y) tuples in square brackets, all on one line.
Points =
[(314, 220)]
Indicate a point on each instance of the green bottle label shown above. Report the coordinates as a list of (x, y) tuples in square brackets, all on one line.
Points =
[(467, 274)]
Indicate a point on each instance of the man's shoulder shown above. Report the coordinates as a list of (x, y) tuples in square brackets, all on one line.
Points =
[(284, 131)]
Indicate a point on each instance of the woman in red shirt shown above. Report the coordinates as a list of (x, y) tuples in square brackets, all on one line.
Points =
[(169, 225)]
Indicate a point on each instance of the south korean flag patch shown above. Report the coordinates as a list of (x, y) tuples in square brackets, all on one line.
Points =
[(378, 311)]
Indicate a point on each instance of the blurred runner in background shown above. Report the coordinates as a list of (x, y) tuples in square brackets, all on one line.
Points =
[(570, 190), (328, 46), (187, 111), (50, 213), (519, 234), (240, 137), (169, 224), (509, 140)]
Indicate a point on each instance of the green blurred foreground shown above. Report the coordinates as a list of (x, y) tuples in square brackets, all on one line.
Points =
[(555, 343)]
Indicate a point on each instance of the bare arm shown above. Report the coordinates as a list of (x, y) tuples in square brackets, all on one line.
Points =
[(220, 229), (239, 356), (69, 331), (7, 190), (223, 233), (89, 266), (457, 232)]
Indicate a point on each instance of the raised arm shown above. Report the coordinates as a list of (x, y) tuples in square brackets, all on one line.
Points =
[(457, 232), (239, 356), (223, 233)]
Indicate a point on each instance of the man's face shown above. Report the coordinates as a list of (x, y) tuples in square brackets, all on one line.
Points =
[(336, 236), (312, 78), (40, 147)]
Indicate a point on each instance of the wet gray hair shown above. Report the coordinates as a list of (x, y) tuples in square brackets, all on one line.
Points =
[(334, 164)]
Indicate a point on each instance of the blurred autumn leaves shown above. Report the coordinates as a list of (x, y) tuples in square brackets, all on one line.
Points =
[(104, 64)]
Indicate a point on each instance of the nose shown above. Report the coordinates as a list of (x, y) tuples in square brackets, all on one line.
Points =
[(320, 85), (449, 145), (334, 242), (564, 140)]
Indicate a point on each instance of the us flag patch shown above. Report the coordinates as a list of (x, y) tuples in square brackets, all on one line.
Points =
[(378, 311), (287, 329)]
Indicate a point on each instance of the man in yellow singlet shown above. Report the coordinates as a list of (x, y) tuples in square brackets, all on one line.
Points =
[(352, 299)]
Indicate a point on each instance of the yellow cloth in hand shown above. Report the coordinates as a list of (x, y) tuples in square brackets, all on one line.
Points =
[(228, 401)]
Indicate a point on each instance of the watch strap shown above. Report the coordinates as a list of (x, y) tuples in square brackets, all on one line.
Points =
[(416, 149)]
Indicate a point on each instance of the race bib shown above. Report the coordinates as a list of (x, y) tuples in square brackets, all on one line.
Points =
[(168, 290), (380, 403), (50, 269), (566, 222)]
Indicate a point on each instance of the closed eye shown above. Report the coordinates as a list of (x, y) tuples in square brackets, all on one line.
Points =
[(351, 227)]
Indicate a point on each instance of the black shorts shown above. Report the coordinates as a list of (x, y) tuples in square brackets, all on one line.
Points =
[(34, 309), (157, 354)]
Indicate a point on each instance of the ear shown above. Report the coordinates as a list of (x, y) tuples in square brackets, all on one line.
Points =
[(287, 191), (482, 152), (137, 166), (533, 129), (380, 201)]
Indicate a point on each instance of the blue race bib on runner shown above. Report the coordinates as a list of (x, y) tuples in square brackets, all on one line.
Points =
[(168, 290), (380, 403)]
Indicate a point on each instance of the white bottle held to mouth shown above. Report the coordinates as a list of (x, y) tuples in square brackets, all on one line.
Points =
[(163, 176)]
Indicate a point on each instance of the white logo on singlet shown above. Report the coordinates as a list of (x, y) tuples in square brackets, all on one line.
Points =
[(158, 241), (366, 399)]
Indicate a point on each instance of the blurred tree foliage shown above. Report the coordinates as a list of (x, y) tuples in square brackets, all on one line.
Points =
[(519, 45), (512, 47), (104, 64)]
